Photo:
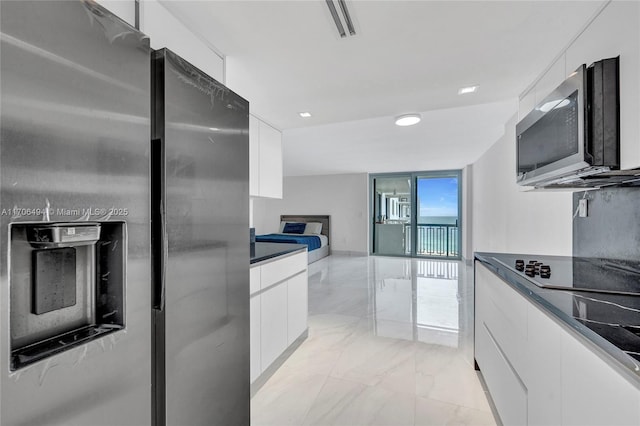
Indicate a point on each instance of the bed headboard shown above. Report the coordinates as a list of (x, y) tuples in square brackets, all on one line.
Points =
[(324, 219)]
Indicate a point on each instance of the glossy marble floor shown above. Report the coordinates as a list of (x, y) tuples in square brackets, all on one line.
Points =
[(390, 343)]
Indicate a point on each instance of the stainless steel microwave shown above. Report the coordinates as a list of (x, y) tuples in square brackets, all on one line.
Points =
[(574, 132)]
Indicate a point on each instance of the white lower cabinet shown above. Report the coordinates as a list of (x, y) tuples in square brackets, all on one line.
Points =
[(505, 385), (278, 308), (593, 393), (542, 372), (537, 372), (297, 306), (507, 390), (254, 339), (273, 324)]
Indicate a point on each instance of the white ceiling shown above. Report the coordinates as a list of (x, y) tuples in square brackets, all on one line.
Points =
[(286, 57), (445, 139)]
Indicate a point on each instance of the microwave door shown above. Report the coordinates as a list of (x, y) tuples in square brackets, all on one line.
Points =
[(551, 139)]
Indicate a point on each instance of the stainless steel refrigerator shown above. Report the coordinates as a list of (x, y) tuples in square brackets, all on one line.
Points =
[(75, 296), (123, 258), (200, 216)]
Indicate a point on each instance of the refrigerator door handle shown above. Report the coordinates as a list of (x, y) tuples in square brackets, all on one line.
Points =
[(165, 256), (159, 238)]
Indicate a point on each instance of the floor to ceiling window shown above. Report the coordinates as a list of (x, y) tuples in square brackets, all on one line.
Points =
[(416, 214)]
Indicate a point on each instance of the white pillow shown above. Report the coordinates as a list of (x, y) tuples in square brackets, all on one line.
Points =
[(282, 224), (313, 228)]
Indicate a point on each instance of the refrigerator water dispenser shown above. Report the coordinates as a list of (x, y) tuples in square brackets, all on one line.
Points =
[(66, 286)]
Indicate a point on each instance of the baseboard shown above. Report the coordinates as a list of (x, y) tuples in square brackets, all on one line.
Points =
[(266, 374), (349, 253)]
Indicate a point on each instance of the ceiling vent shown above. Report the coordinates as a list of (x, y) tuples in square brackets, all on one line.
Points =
[(337, 19)]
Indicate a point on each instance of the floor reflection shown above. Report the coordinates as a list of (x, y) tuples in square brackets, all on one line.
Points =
[(417, 299), (390, 343)]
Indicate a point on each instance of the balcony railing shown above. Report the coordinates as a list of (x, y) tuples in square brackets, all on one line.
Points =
[(434, 240)]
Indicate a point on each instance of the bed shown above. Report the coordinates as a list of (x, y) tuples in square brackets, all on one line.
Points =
[(312, 230)]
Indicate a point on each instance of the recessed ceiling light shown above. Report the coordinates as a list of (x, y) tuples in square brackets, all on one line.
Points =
[(305, 114), (469, 89), (408, 119)]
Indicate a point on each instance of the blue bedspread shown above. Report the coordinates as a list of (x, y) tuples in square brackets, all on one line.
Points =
[(313, 242)]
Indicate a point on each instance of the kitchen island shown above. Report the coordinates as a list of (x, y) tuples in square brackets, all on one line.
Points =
[(278, 306), (551, 356)]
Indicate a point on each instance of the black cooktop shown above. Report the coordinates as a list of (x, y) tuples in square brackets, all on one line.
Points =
[(577, 273)]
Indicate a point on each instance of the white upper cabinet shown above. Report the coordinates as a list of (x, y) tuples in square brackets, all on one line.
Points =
[(165, 30), (616, 31), (265, 159), (546, 83), (270, 161), (527, 103), (551, 79), (125, 10)]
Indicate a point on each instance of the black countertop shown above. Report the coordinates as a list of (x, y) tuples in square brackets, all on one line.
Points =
[(610, 321), (264, 251)]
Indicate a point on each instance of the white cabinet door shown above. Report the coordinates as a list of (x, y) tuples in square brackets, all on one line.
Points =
[(542, 374), (254, 339), (527, 103), (551, 79), (297, 305), (254, 279), (270, 161), (506, 316), (273, 324), (507, 390), (616, 32), (593, 393), (254, 156)]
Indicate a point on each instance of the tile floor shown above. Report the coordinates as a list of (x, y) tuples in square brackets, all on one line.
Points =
[(390, 343)]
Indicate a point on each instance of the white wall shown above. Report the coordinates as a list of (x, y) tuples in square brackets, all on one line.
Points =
[(506, 219), (344, 197)]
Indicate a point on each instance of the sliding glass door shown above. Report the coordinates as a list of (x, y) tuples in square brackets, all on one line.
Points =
[(416, 214), (392, 214)]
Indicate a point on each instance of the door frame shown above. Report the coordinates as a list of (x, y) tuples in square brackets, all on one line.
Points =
[(457, 173)]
